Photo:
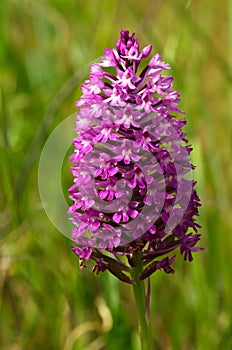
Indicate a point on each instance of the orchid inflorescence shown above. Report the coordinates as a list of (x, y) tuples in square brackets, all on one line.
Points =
[(132, 194)]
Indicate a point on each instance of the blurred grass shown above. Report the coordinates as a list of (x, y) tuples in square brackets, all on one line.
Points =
[(45, 49)]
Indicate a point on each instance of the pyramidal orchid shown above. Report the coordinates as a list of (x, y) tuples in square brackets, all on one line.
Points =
[(134, 201)]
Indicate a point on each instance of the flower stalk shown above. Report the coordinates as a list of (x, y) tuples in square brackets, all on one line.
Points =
[(141, 306)]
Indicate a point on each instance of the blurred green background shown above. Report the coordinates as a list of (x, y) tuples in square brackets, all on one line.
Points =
[(45, 50)]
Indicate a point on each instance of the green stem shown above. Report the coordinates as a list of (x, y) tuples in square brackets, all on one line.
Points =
[(140, 300)]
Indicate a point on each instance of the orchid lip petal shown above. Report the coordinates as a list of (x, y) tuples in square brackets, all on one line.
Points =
[(117, 217)]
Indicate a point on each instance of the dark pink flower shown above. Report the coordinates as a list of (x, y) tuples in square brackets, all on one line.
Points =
[(131, 191)]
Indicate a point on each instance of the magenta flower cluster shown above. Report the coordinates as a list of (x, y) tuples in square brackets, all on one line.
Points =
[(131, 194)]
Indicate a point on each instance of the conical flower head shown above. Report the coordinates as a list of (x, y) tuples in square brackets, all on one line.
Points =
[(132, 190)]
